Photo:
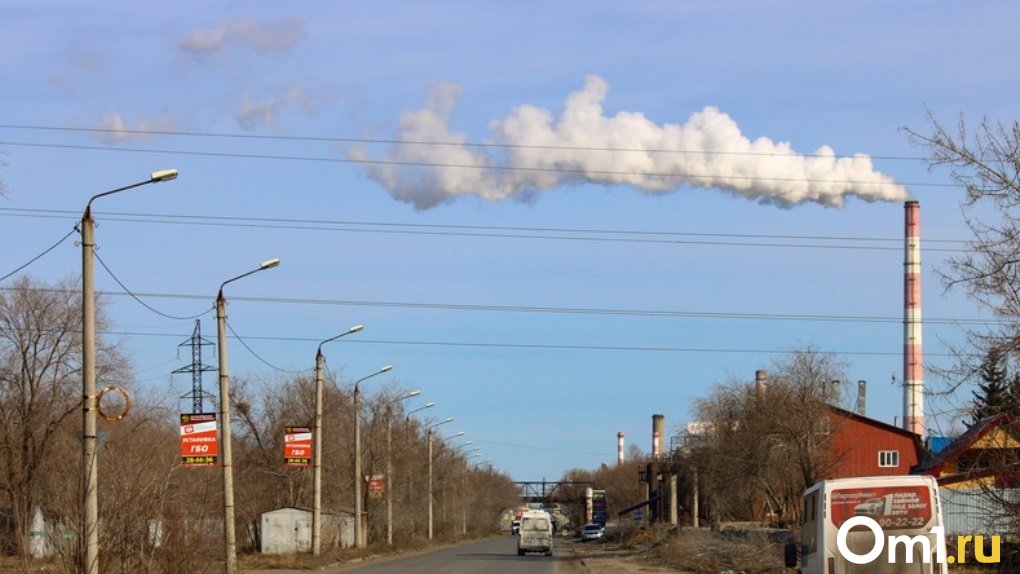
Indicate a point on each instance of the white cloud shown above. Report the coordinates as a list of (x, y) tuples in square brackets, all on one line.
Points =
[(250, 114), (272, 36), (113, 128)]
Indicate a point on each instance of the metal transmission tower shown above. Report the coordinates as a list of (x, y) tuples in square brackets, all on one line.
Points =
[(196, 368)]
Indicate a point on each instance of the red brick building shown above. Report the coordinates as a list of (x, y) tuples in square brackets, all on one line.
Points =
[(866, 447)]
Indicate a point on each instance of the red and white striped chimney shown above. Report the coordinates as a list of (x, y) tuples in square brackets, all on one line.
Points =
[(913, 357), (619, 448)]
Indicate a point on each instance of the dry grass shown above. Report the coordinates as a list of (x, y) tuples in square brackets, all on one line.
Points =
[(705, 552)]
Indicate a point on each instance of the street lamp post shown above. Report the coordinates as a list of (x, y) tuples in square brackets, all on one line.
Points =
[(473, 453), (389, 465), (429, 494), (90, 470), (410, 474), (320, 363), (230, 541), (358, 534)]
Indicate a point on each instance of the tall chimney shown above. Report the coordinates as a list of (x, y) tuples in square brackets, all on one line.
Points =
[(658, 432), (760, 383), (619, 448), (862, 389), (913, 357)]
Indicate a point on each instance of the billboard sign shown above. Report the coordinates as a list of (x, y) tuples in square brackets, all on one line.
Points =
[(198, 440), (297, 447)]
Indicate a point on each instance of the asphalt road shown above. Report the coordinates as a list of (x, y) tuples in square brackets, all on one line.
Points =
[(492, 556)]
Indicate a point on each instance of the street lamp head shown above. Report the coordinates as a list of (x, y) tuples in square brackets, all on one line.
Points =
[(429, 405), (162, 175), (413, 393), (386, 368), (269, 264), (355, 328)]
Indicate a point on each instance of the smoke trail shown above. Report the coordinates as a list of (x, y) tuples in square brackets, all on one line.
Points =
[(531, 151)]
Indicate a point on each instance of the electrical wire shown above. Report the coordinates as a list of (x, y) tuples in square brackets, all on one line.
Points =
[(536, 346), (561, 170), (37, 257), (143, 303), (259, 357), (594, 311), (373, 141), (509, 232)]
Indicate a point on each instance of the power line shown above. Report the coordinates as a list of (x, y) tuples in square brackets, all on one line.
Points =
[(542, 346), (39, 256), (129, 293), (511, 232), (376, 141), (366, 161), (594, 311)]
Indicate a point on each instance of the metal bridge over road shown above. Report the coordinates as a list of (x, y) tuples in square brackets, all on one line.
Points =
[(556, 491)]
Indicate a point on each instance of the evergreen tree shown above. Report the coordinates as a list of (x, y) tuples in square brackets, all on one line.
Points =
[(997, 391)]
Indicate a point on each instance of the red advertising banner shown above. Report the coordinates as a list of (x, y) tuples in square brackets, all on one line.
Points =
[(893, 507), (376, 485), (198, 440), (297, 447)]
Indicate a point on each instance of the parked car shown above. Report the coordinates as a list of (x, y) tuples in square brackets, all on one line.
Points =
[(592, 531)]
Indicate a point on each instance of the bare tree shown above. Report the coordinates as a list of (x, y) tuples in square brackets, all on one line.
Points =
[(765, 448), (985, 162), (40, 362)]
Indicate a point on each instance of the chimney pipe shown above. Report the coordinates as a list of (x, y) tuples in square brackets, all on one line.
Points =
[(760, 384), (619, 448), (658, 431), (913, 356), (862, 389)]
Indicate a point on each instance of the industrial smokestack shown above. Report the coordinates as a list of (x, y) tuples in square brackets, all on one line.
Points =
[(913, 357), (619, 448), (862, 389), (760, 384), (658, 431), (833, 393)]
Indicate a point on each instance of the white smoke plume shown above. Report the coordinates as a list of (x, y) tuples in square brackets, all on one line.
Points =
[(531, 151)]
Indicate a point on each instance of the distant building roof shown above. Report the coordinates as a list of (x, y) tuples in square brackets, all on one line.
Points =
[(937, 444)]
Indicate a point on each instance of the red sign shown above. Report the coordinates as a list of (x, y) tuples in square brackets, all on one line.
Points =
[(297, 447), (198, 439), (376, 485), (892, 507)]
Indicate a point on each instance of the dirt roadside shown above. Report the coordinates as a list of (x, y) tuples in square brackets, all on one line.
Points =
[(607, 558)]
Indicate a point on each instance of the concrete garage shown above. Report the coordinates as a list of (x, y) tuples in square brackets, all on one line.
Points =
[(289, 530)]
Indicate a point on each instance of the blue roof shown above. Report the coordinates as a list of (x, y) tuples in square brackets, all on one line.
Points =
[(938, 443)]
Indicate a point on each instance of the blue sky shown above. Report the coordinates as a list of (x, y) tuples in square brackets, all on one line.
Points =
[(564, 280)]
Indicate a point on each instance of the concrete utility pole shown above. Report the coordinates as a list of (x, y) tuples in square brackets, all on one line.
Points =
[(389, 465), (320, 364), (227, 459), (359, 536), (90, 406), (429, 494)]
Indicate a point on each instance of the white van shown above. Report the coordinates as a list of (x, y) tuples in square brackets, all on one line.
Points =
[(536, 534)]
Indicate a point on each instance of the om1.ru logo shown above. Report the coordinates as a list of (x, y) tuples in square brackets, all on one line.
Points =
[(908, 543)]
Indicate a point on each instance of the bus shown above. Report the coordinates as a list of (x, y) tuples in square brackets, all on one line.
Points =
[(893, 526)]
